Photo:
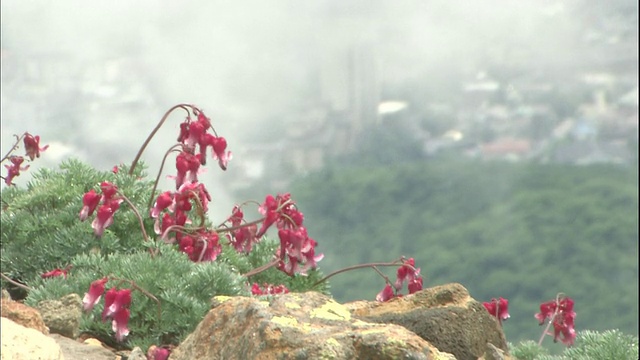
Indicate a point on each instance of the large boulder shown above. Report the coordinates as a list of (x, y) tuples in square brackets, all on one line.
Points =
[(297, 326), (22, 343), (446, 316)]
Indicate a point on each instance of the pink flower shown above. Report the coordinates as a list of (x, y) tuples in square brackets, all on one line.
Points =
[(409, 273), (109, 190), (96, 289), (498, 308), (109, 298), (206, 247), (219, 145), (15, 168), (90, 202), (164, 201), (55, 273), (104, 217), (32, 146), (562, 316), (157, 353), (122, 299), (386, 294), (268, 289), (119, 323)]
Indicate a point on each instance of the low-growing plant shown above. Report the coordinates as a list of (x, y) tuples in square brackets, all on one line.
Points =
[(601, 345)]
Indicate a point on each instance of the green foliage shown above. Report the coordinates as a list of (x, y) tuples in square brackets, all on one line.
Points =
[(184, 289), (41, 231), (527, 350), (605, 345), (44, 218), (521, 231)]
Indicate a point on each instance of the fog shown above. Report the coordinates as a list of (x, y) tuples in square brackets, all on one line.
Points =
[(249, 64)]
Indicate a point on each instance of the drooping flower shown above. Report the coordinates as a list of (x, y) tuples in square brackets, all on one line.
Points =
[(14, 169), (109, 298), (409, 273), (164, 201), (104, 217), (206, 247), (386, 294), (90, 202), (109, 190), (561, 314), (96, 289), (32, 146), (498, 308), (157, 353), (219, 145), (121, 300), (55, 273), (120, 322)]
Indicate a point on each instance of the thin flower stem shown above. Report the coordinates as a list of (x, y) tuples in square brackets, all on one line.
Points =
[(361, 266), (22, 286), (135, 211), (13, 148), (546, 329), (155, 184), (145, 292), (262, 268), (186, 107), (231, 228)]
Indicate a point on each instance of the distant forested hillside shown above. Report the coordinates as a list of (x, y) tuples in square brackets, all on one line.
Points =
[(523, 232)]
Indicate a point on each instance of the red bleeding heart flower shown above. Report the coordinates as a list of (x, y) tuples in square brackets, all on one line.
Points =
[(32, 146), (96, 289), (15, 168), (498, 308), (561, 314)]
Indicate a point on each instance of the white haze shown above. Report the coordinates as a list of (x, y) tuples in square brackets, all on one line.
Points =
[(248, 62)]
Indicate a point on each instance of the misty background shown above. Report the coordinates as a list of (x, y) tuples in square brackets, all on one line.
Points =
[(295, 85)]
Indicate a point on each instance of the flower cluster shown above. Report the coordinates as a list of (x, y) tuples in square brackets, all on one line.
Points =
[(32, 150), (498, 308), (195, 134), (109, 203), (406, 272), (561, 315), (297, 250), (268, 289), (170, 211), (241, 237), (116, 305)]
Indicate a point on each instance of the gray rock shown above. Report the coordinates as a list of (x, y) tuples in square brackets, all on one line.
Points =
[(137, 354), (62, 316), (74, 350)]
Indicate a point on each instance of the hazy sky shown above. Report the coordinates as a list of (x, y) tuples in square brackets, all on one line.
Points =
[(249, 62)]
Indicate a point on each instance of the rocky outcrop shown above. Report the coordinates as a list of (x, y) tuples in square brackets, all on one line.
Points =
[(297, 326), (443, 322), (22, 343), (23, 315), (446, 316)]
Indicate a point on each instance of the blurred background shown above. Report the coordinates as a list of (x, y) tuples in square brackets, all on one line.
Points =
[(495, 142)]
